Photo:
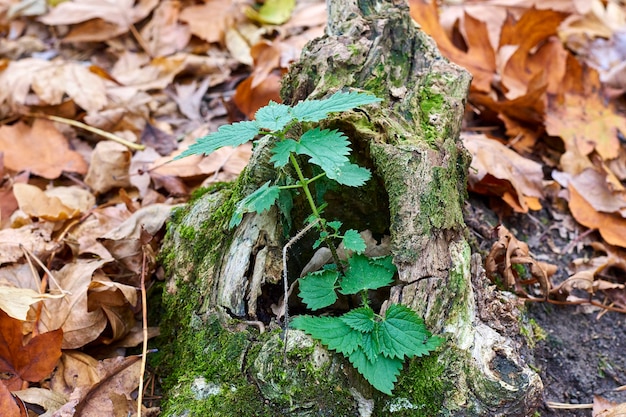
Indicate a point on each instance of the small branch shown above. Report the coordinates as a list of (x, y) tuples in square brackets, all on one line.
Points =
[(100, 132), (285, 279)]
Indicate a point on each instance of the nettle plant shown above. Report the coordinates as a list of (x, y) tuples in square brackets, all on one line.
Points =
[(375, 344)]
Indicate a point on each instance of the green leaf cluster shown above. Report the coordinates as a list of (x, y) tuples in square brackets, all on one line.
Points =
[(329, 149), (376, 346)]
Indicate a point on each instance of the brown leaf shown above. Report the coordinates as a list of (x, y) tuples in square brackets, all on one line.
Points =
[(80, 326), (208, 21), (30, 362), (36, 238), (24, 150), (121, 14), (581, 117), (532, 30), (249, 99), (109, 166), (58, 203), (479, 58), (596, 189), (605, 408), (7, 403), (509, 251), (490, 157), (124, 242), (163, 33), (612, 227)]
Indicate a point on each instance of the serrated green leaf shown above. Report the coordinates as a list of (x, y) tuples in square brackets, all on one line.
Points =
[(350, 174), (382, 373), (402, 333), (370, 345), (227, 135), (259, 201), (386, 262), (317, 289), (353, 241), (327, 149), (331, 331), (335, 225), (361, 319), (364, 274), (274, 116), (316, 110), (281, 151)]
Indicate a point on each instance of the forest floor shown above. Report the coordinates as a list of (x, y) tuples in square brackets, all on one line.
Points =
[(577, 350)]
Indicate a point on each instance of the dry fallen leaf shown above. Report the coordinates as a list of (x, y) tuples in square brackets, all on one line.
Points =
[(24, 150), (17, 301), (58, 203), (507, 252), (497, 169), (612, 227), (8, 404), (26, 362), (109, 166), (606, 408), (209, 21), (80, 326)]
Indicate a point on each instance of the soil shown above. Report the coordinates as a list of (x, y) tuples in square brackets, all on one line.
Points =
[(583, 351)]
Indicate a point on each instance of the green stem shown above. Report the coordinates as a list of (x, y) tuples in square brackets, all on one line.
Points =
[(305, 186)]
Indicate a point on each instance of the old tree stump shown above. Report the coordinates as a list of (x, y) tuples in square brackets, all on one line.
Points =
[(222, 283)]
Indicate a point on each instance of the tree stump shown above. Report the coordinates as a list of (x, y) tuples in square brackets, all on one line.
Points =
[(224, 354)]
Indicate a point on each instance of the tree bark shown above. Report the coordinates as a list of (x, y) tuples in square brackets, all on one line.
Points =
[(222, 284)]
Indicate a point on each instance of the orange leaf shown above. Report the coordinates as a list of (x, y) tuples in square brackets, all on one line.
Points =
[(7, 403), (31, 362), (479, 59), (612, 227), (41, 149)]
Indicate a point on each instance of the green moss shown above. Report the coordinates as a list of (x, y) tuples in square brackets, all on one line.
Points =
[(439, 205), (531, 331), (420, 390)]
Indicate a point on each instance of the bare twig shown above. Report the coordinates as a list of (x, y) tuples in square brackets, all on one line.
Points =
[(103, 133), (285, 280)]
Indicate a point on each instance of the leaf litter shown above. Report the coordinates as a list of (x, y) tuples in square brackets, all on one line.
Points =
[(82, 210), (548, 75)]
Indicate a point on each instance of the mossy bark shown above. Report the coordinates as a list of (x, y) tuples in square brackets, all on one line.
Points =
[(225, 347)]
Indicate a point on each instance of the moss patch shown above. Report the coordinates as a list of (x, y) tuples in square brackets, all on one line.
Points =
[(420, 390)]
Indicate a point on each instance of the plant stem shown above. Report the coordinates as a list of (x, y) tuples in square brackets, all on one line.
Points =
[(305, 186)]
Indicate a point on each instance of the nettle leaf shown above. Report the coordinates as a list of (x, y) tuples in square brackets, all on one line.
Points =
[(361, 319), (274, 116), (350, 174), (327, 149), (384, 261), (382, 373), (364, 274), (259, 201), (317, 289), (316, 110), (226, 135), (403, 333), (353, 241), (281, 151), (335, 225), (370, 345), (331, 331)]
